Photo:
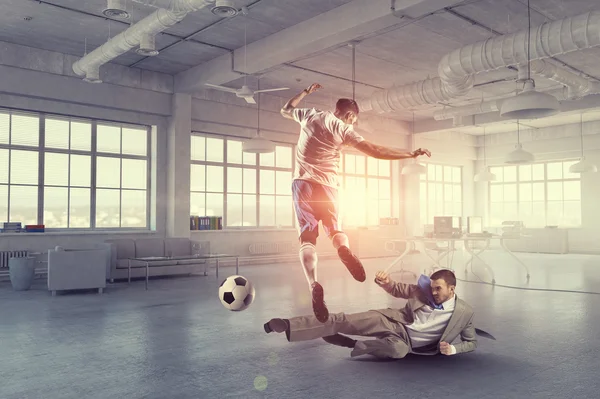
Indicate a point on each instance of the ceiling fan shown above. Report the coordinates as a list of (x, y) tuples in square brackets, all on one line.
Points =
[(245, 92)]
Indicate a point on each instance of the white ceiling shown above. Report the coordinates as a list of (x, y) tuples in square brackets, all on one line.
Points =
[(396, 57)]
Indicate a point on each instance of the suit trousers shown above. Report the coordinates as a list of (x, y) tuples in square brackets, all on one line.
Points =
[(391, 339)]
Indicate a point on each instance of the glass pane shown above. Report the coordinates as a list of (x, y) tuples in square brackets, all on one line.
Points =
[(361, 164), (81, 170), (56, 170), (566, 173), (234, 185), (234, 210), (249, 210), (448, 209), (267, 159), (108, 172), (511, 211), (499, 172), (555, 191), (448, 174), (81, 136), (57, 133), (107, 208), (538, 218), (385, 189), (249, 159), (554, 170), (25, 130), (458, 209), (572, 214), (197, 204), (430, 172), (283, 183), (79, 208), (555, 213), (439, 192), (572, 190), (423, 191), (56, 207), (134, 174), (349, 163), (510, 193), (385, 167), (250, 182), (267, 210), (133, 208), (525, 192), (214, 204), (267, 182), (510, 173), (496, 214), (525, 212), (108, 139), (372, 188), (385, 208), (373, 212), (24, 167), (4, 132), (214, 149), (439, 173), (3, 202), (3, 165), (284, 212), (537, 171), (23, 204), (457, 193), (372, 166), (197, 178), (448, 191), (456, 174), (496, 192), (538, 192), (525, 173), (234, 152), (135, 142), (198, 150), (283, 157), (214, 182)]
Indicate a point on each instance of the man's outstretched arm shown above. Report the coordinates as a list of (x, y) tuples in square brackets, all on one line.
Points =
[(395, 289), (288, 108), (381, 152)]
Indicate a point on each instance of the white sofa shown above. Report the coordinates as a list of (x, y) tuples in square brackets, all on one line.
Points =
[(75, 269), (124, 248)]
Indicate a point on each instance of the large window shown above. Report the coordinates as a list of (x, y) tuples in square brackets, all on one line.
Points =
[(247, 190), (366, 190), (539, 195), (440, 192), (72, 173)]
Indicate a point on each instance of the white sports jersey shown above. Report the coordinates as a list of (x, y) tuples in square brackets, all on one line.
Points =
[(322, 136)]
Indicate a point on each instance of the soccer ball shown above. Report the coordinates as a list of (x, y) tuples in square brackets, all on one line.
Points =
[(236, 293)]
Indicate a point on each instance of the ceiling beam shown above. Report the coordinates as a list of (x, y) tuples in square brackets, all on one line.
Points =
[(349, 22)]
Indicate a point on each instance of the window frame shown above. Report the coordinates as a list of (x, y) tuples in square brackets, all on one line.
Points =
[(432, 213), (42, 150)]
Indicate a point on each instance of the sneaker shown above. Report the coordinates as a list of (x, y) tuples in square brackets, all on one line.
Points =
[(340, 340), (319, 307), (352, 263)]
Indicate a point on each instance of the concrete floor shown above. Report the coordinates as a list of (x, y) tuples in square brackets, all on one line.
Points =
[(177, 341)]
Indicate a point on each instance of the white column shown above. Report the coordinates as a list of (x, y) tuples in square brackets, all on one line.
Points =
[(178, 174)]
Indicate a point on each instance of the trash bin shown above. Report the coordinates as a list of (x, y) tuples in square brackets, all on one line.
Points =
[(22, 272)]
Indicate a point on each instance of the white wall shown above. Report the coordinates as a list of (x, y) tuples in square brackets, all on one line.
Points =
[(555, 143)]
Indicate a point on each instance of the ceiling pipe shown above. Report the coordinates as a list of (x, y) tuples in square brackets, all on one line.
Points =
[(458, 68), (577, 85), (153, 24)]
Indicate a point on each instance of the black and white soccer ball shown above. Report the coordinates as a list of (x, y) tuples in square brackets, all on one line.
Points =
[(236, 293)]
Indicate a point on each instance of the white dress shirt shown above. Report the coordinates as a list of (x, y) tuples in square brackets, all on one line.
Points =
[(430, 323)]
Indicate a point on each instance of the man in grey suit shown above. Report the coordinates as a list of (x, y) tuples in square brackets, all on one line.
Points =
[(430, 323)]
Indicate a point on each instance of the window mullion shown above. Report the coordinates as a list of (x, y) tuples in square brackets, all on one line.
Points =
[(41, 167), (93, 177)]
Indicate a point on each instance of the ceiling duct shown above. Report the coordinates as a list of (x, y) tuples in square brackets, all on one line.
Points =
[(116, 9), (131, 38), (458, 68), (224, 9), (147, 46)]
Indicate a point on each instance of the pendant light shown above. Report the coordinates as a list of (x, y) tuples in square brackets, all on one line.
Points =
[(529, 104), (583, 166), (414, 168), (519, 155), (485, 174)]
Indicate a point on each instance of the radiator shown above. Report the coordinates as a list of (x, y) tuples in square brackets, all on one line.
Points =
[(6, 255), (264, 248)]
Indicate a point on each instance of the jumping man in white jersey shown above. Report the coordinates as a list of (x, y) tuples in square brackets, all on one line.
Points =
[(315, 185)]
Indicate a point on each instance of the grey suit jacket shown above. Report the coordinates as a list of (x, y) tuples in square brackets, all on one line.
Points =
[(460, 324)]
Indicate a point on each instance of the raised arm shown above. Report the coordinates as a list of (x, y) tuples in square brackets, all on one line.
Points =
[(288, 108), (395, 289), (381, 152)]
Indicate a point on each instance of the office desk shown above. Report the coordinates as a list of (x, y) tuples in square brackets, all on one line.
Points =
[(445, 252)]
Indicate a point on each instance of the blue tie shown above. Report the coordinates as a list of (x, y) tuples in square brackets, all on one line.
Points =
[(424, 284)]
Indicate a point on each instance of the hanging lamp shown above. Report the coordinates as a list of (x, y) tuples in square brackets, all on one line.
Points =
[(519, 155), (583, 166), (485, 174)]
